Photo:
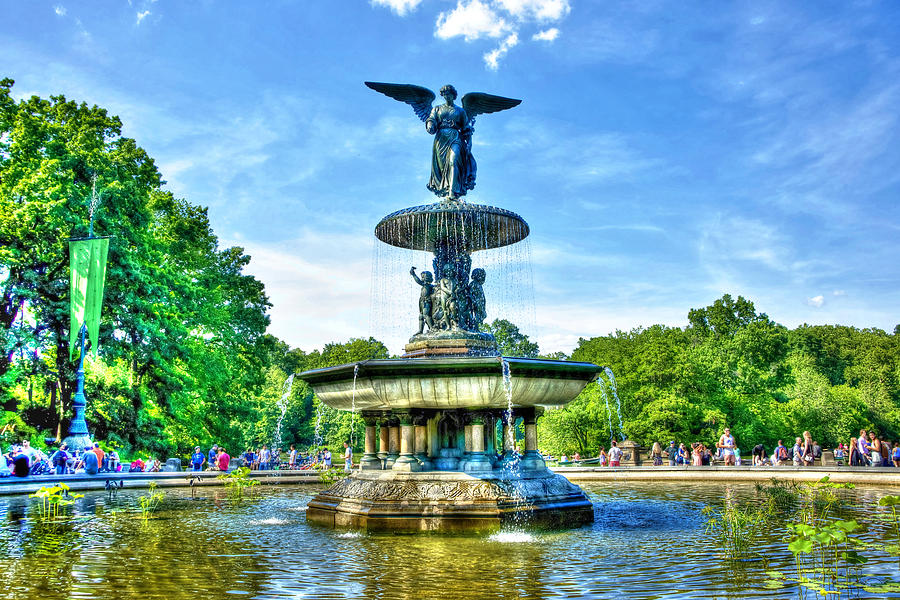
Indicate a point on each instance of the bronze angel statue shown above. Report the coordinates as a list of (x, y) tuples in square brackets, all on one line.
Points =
[(452, 163)]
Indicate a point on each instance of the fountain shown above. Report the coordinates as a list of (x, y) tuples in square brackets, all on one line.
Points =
[(440, 465)]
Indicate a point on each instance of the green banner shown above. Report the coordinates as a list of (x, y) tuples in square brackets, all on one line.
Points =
[(87, 259)]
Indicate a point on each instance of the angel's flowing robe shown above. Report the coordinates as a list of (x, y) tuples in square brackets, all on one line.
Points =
[(452, 163)]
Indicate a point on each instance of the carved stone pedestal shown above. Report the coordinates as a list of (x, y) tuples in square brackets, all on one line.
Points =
[(449, 501)]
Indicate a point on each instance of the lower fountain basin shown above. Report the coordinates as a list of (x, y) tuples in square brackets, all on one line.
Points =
[(443, 502), (449, 383)]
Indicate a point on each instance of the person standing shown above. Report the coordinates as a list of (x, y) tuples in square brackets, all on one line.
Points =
[(727, 446), (797, 452), (861, 443), (671, 453), (197, 459), (212, 454), (615, 454), (326, 457), (656, 454), (874, 448), (60, 459), (223, 460), (807, 450), (348, 457), (292, 459), (264, 456)]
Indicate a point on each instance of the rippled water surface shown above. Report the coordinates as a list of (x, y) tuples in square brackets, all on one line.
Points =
[(648, 541)]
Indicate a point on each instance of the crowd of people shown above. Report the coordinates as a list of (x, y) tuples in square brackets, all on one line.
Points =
[(866, 450), (23, 459)]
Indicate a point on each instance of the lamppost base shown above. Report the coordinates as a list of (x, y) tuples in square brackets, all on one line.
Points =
[(77, 442)]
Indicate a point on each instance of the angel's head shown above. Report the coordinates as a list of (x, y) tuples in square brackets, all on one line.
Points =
[(448, 90)]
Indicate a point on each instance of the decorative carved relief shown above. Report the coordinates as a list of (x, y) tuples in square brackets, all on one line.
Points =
[(442, 491)]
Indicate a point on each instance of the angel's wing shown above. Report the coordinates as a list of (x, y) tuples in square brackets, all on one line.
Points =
[(477, 103), (418, 97)]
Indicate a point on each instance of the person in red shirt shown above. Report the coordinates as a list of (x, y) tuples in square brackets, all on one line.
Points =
[(100, 455), (222, 459)]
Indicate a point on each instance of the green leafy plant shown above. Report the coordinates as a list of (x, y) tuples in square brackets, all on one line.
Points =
[(892, 502), (237, 481), (828, 558), (150, 502), (54, 500), (330, 476), (737, 527), (783, 495)]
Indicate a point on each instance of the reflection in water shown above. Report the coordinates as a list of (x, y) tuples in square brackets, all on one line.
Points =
[(647, 541)]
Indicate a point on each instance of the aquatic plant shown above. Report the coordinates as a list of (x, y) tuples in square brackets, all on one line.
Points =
[(827, 557), (237, 481), (892, 502), (53, 501), (782, 494), (150, 502), (331, 476), (737, 526)]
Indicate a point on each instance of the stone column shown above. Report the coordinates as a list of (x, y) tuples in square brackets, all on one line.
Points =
[(491, 438), (383, 434), (393, 443), (478, 460), (370, 460), (420, 421), (467, 445), (532, 459), (406, 461)]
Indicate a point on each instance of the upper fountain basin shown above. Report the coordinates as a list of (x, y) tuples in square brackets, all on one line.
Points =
[(457, 223), (447, 383)]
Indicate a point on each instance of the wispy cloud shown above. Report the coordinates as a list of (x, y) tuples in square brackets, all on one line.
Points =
[(475, 20), (400, 7), (817, 301), (492, 58), (141, 15), (470, 20), (547, 35), (60, 10)]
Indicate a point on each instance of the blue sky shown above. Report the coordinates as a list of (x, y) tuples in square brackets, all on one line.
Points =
[(665, 153)]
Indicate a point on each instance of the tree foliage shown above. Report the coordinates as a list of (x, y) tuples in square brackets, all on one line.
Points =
[(735, 367)]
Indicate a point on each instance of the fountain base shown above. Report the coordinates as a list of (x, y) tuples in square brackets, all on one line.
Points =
[(455, 342), (450, 501)]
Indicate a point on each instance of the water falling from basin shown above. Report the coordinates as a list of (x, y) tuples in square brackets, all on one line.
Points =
[(282, 407)]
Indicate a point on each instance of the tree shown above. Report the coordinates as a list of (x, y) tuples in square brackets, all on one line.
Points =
[(511, 341)]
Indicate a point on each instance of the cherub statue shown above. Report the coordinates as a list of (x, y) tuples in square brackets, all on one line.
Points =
[(446, 296), (476, 299), (452, 163), (425, 299)]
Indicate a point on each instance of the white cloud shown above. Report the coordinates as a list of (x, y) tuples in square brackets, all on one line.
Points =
[(60, 10), (541, 10), (816, 301), (400, 7), (472, 20), (839, 293), (142, 15), (492, 58), (547, 35)]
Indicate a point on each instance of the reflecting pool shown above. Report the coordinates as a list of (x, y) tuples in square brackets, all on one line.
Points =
[(648, 540)]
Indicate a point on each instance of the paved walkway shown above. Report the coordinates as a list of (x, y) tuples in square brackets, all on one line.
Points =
[(855, 475)]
